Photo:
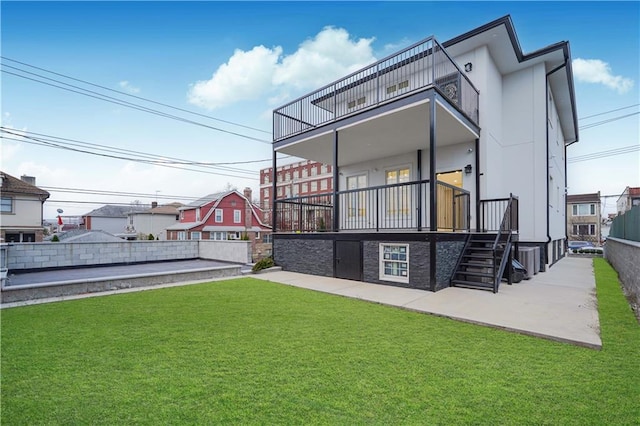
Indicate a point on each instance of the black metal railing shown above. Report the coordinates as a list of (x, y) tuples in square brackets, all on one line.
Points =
[(312, 213), (420, 66), (499, 214), (401, 206)]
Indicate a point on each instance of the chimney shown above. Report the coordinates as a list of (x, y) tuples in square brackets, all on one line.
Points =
[(248, 215), (154, 204), (31, 180)]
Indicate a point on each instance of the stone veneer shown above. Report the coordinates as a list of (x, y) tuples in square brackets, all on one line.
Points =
[(447, 254), (313, 256)]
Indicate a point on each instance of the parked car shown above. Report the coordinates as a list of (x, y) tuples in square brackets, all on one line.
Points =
[(575, 245)]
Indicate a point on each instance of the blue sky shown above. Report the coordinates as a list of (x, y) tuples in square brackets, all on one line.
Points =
[(236, 61)]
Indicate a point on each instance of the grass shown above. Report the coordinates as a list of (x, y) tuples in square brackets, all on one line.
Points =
[(252, 352)]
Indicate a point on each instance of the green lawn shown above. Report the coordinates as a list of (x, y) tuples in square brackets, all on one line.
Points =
[(249, 351)]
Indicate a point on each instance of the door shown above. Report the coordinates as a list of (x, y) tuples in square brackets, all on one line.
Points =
[(450, 209), (348, 261)]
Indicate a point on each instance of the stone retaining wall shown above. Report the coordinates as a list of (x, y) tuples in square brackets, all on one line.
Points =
[(624, 256)]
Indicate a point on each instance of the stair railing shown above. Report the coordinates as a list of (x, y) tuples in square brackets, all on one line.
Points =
[(506, 227)]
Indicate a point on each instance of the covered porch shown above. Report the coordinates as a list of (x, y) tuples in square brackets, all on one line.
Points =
[(402, 137)]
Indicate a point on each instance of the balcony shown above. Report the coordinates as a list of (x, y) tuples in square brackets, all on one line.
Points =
[(422, 66), (397, 207)]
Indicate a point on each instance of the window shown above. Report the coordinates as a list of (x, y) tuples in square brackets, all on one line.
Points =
[(403, 84), (266, 238), (584, 229), (314, 186), (356, 201), (6, 205), (265, 193), (584, 209), (237, 216), (279, 191), (198, 214), (357, 102), (196, 235), (219, 216), (323, 184), (233, 235), (394, 262), (181, 215), (398, 198), (296, 189), (305, 188), (314, 170), (257, 235), (218, 235), (304, 172), (182, 235)]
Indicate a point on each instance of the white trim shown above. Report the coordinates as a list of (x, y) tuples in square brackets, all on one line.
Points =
[(381, 261)]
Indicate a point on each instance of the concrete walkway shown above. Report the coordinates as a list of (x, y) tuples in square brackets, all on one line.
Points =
[(559, 304)]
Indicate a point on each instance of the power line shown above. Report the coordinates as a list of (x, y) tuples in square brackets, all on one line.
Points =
[(602, 154), (600, 123), (116, 193), (111, 99), (36, 141), (134, 96), (148, 158), (607, 112)]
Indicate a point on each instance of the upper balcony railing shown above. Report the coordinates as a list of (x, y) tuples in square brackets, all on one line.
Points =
[(423, 65)]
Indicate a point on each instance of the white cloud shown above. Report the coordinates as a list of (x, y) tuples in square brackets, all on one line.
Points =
[(128, 87), (246, 75), (597, 71), (259, 71)]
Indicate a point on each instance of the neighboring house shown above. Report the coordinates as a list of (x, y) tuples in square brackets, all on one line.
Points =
[(84, 236), (294, 180), (226, 215), (629, 198), (153, 221), (21, 203), (446, 157), (584, 219), (111, 218)]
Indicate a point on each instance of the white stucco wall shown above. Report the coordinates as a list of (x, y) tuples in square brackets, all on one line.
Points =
[(155, 224), (26, 213), (524, 148), (112, 225)]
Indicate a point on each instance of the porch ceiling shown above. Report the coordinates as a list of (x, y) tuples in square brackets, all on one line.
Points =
[(392, 133)]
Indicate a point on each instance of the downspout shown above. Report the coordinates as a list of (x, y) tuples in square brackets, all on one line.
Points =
[(546, 103), (478, 174), (419, 167)]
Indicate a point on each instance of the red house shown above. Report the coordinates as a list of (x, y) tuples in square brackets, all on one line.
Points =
[(226, 215)]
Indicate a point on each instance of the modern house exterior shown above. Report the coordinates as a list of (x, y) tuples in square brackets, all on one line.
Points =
[(110, 218), (629, 198), (21, 203), (153, 221), (224, 216), (445, 158), (584, 218), (301, 178)]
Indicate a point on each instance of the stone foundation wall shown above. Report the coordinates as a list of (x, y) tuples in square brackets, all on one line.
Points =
[(624, 256)]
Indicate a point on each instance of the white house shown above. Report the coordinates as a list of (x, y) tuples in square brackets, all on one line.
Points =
[(110, 218), (21, 209), (447, 157), (154, 221)]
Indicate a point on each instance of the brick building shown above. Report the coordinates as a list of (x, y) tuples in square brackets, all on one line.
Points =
[(299, 179)]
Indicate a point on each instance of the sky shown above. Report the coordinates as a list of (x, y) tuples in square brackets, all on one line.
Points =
[(234, 62)]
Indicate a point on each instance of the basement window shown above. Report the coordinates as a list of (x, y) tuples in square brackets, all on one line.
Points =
[(394, 262)]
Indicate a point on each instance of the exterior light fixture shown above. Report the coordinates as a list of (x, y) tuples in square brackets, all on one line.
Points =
[(468, 67), (468, 169)]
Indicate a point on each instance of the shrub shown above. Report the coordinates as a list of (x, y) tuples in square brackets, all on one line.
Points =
[(55, 239), (263, 263), (151, 237)]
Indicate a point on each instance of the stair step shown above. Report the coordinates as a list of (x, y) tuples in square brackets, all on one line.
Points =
[(478, 255), (472, 284), (475, 274), (478, 264)]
